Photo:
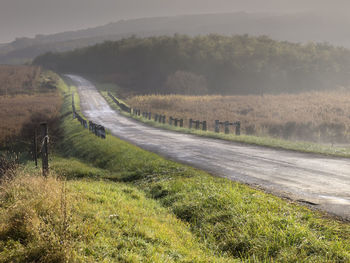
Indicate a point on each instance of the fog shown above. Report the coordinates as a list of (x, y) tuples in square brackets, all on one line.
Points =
[(26, 18)]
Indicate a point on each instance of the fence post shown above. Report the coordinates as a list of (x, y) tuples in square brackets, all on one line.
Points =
[(227, 127), (149, 116), (217, 127), (45, 149), (35, 148), (170, 120), (156, 117), (238, 128), (181, 123), (190, 124), (164, 117), (204, 125), (176, 121), (197, 125)]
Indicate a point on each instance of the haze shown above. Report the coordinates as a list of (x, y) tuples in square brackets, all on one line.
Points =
[(19, 18)]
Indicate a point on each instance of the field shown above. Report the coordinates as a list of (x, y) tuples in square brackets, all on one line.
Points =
[(26, 99), (19, 80), (322, 117)]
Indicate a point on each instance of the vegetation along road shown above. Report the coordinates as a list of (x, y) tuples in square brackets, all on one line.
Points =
[(321, 181)]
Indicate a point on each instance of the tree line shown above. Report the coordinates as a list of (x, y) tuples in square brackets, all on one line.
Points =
[(210, 64)]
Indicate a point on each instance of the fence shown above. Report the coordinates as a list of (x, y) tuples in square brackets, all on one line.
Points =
[(180, 122), (197, 124), (147, 115), (160, 118), (136, 112), (121, 105), (227, 125), (98, 130), (176, 121)]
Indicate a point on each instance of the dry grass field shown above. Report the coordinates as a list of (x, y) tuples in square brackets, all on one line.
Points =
[(314, 116), (19, 80), (20, 110), (24, 100)]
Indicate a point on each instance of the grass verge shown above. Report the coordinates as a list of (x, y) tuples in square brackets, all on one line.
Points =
[(300, 146), (50, 220)]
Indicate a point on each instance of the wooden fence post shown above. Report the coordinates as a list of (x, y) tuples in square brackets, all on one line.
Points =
[(45, 149), (197, 125), (170, 120), (217, 127), (190, 124), (35, 148), (227, 127), (238, 128), (149, 116), (164, 117), (204, 126), (181, 123), (156, 117)]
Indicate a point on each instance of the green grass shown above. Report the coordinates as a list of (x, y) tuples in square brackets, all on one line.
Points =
[(49, 220), (228, 217), (300, 146)]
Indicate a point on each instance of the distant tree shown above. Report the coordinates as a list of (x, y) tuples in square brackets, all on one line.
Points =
[(187, 83), (211, 63)]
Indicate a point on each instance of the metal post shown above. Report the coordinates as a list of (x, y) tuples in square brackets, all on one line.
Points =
[(45, 149)]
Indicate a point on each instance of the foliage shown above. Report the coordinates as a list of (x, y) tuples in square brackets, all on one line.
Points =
[(186, 83), (229, 65)]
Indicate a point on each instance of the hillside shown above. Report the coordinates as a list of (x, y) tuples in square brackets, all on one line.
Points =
[(211, 64), (301, 27)]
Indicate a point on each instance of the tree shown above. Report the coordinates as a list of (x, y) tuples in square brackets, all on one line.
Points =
[(187, 83)]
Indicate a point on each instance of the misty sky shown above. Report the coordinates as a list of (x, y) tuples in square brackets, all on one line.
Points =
[(20, 18)]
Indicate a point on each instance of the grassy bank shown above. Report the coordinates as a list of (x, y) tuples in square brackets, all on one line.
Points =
[(299, 146), (228, 217), (50, 220)]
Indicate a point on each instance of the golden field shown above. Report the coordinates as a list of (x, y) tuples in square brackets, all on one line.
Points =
[(24, 101), (312, 116), (19, 79), (20, 110)]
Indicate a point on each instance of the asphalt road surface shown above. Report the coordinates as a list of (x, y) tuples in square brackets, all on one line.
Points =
[(320, 181)]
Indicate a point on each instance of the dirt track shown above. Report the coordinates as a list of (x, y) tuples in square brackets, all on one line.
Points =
[(323, 182)]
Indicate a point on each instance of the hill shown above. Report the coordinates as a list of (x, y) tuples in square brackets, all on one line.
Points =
[(211, 64), (301, 27)]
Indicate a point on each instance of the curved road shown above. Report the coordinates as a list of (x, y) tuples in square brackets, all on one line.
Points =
[(322, 182)]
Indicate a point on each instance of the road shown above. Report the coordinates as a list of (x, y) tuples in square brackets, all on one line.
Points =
[(320, 181)]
